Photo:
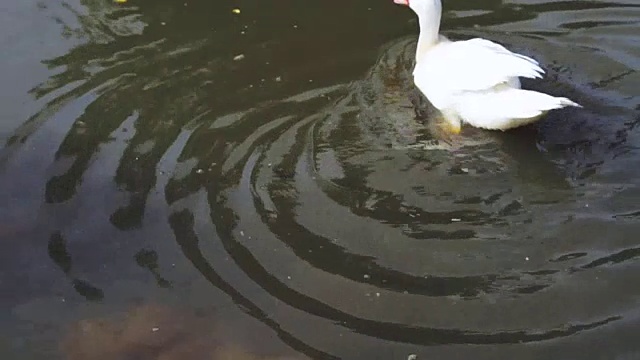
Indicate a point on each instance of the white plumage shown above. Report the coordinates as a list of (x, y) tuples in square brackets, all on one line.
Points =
[(475, 81)]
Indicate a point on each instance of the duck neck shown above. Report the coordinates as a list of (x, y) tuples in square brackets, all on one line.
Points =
[(429, 19)]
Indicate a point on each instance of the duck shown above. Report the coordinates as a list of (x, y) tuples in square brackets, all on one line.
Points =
[(475, 81)]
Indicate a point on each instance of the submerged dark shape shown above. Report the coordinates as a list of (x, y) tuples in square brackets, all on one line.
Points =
[(154, 332)]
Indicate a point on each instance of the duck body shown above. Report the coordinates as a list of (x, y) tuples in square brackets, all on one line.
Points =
[(475, 81)]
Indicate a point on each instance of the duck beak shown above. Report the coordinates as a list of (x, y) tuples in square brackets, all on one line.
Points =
[(402, 2)]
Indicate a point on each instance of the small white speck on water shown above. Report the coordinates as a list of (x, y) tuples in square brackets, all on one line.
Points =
[(366, 276), (464, 170), (412, 357), (526, 258), (377, 294), (241, 233), (278, 78), (238, 57), (163, 23), (199, 171), (289, 277), (155, 329), (456, 219)]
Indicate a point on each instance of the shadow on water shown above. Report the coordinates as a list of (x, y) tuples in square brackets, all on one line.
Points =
[(190, 154)]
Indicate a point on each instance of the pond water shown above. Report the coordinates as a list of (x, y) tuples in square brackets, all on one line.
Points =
[(180, 180)]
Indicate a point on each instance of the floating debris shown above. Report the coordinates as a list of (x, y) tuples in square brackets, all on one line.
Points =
[(236, 11), (238, 57)]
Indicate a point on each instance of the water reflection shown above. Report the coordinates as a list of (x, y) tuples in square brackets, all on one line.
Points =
[(60, 255), (298, 182)]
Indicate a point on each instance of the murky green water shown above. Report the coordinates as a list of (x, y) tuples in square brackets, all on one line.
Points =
[(178, 180)]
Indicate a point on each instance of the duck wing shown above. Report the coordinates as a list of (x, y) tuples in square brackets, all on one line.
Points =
[(473, 65)]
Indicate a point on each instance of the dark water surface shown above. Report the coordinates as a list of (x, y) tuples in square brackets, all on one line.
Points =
[(178, 181)]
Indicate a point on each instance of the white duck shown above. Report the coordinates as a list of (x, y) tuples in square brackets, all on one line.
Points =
[(475, 81)]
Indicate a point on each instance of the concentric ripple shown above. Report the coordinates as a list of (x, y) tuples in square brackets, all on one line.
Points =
[(339, 213), (350, 213)]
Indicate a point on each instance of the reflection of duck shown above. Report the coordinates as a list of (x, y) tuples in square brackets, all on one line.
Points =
[(475, 81)]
